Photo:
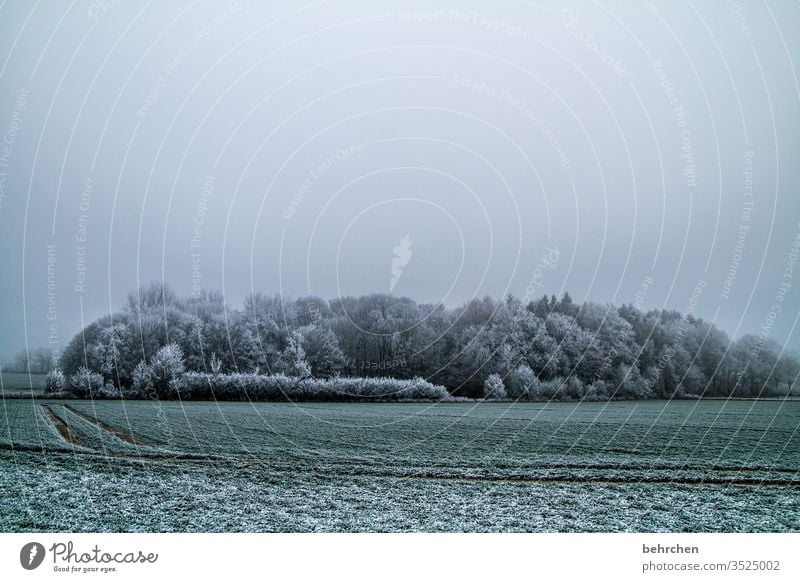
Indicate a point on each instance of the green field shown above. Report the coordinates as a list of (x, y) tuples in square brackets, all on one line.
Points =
[(206, 466), (16, 383)]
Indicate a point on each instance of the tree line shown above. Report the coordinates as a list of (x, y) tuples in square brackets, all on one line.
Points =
[(34, 361), (549, 348)]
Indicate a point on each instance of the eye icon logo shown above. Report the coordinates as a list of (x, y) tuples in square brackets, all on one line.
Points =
[(31, 555)]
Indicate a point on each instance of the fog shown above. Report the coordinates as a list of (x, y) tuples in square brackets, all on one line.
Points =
[(624, 152)]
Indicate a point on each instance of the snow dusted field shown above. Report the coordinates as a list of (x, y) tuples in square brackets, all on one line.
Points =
[(206, 466)]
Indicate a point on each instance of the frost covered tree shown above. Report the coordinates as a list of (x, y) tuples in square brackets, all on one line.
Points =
[(523, 383), (323, 353), (166, 367), (109, 352), (86, 383), (493, 388), (294, 359), (142, 380), (215, 364), (550, 348), (55, 381)]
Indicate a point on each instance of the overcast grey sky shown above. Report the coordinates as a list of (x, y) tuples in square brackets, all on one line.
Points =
[(624, 151)]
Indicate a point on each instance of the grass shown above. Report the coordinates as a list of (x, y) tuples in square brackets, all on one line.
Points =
[(16, 383), (207, 466)]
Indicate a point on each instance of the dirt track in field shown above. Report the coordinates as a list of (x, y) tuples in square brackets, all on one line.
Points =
[(128, 438), (62, 427)]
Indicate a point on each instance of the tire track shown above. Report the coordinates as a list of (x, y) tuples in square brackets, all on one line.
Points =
[(573, 480), (62, 426), (128, 438)]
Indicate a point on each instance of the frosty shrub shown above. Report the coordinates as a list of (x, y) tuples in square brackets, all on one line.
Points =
[(280, 387), (109, 391), (574, 389), (142, 381), (552, 389), (166, 368), (493, 388), (86, 383), (629, 384), (597, 391), (55, 381), (521, 380)]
